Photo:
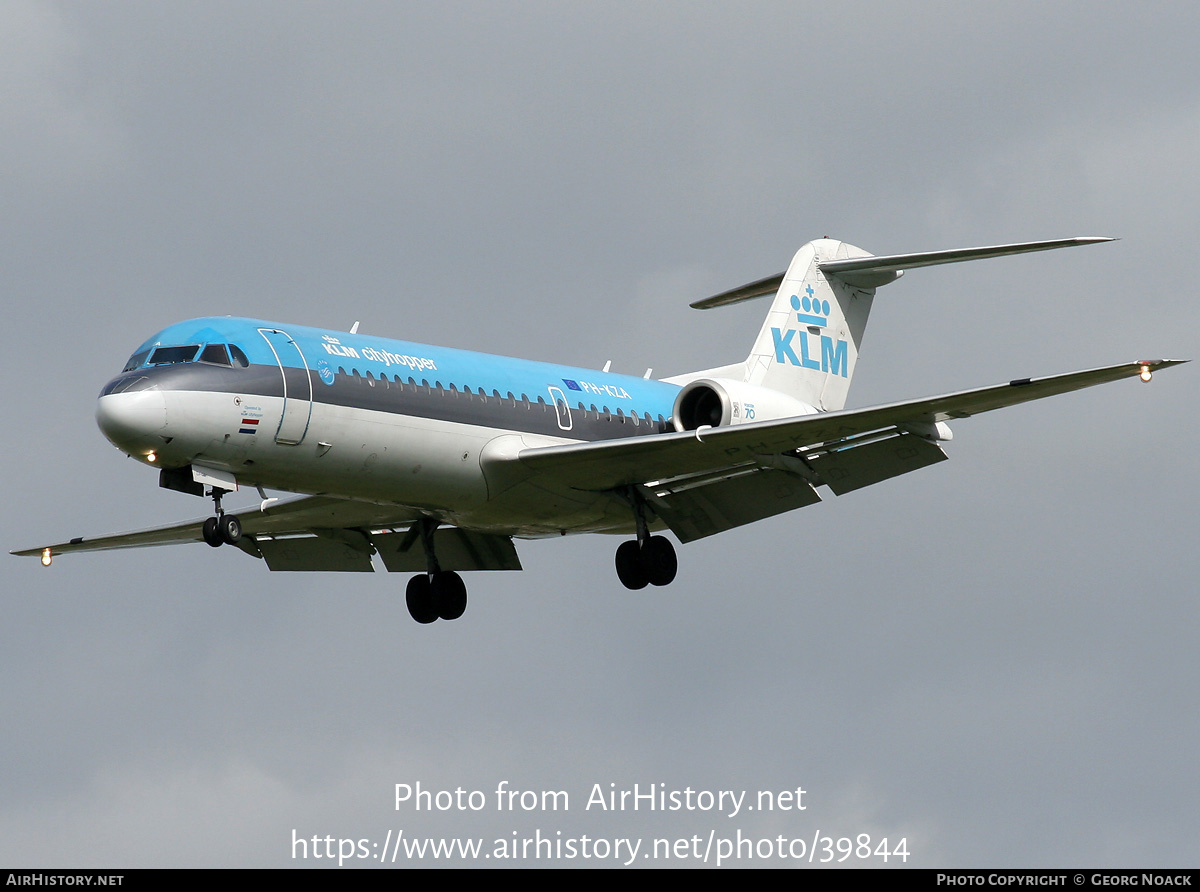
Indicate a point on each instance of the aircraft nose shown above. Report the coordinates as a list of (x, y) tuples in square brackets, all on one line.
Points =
[(133, 421)]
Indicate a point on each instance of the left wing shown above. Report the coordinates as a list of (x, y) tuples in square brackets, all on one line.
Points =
[(293, 517), (717, 478), (322, 533)]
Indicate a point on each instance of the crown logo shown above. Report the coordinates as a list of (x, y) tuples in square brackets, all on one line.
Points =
[(815, 311)]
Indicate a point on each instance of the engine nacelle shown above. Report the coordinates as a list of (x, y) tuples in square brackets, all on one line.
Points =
[(720, 402)]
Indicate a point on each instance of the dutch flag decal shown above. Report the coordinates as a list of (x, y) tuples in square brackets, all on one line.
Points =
[(249, 426)]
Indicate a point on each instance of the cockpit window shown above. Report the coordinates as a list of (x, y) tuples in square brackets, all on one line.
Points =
[(135, 361), (240, 360), (215, 353), (168, 355)]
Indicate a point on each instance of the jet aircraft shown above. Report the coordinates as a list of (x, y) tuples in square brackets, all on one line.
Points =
[(435, 459)]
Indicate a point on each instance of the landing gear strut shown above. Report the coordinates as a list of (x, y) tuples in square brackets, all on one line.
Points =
[(647, 560), (437, 593), (223, 529)]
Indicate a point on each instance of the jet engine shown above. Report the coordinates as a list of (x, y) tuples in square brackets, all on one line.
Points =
[(720, 402)]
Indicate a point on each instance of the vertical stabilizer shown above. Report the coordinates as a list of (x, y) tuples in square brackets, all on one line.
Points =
[(809, 343)]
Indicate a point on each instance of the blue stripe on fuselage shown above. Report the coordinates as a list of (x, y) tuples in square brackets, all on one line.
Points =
[(382, 356)]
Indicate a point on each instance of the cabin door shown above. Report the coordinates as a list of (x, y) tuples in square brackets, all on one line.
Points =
[(297, 387)]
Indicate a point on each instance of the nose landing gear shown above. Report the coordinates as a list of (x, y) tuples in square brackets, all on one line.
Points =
[(223, 529)]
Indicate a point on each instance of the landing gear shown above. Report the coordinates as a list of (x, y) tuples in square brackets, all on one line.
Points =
[(440, 596), (224, 529), (436, 594), (230, 529), (450, 592), (421, 604), (647, 560), (651, 563), (210, 532)]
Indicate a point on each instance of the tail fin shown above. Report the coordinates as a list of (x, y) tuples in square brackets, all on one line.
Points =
[(809, 342)]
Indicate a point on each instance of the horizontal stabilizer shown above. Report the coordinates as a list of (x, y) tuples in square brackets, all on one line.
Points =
[(761, 288), (871, 272)]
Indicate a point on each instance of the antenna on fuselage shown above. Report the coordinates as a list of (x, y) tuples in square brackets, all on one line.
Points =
[(354, 328), (608, 365)]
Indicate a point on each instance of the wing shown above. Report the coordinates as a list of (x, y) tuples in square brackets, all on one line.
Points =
[(323, 533), (701, 482)]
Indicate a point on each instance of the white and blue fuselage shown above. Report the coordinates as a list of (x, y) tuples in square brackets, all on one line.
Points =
[(351, 415)]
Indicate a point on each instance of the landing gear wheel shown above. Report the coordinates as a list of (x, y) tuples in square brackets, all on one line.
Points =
[(230, 528), (422, 605), (450, 595), (210, 532), (629, 566), (658, 560)]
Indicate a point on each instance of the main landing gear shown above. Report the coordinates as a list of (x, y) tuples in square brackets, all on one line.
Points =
[(647, 560), (223, 529), (437, 593), (434, 596)]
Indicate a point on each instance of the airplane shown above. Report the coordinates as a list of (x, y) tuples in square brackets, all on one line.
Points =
[(435, 459)]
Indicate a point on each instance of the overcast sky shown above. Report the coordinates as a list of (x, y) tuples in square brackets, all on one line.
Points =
[(993, 658)]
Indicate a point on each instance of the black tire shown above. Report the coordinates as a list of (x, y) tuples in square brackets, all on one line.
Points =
[(659, 563), (629, 566), (422, 605), (230, 528), (450, 595), (211, 534)]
